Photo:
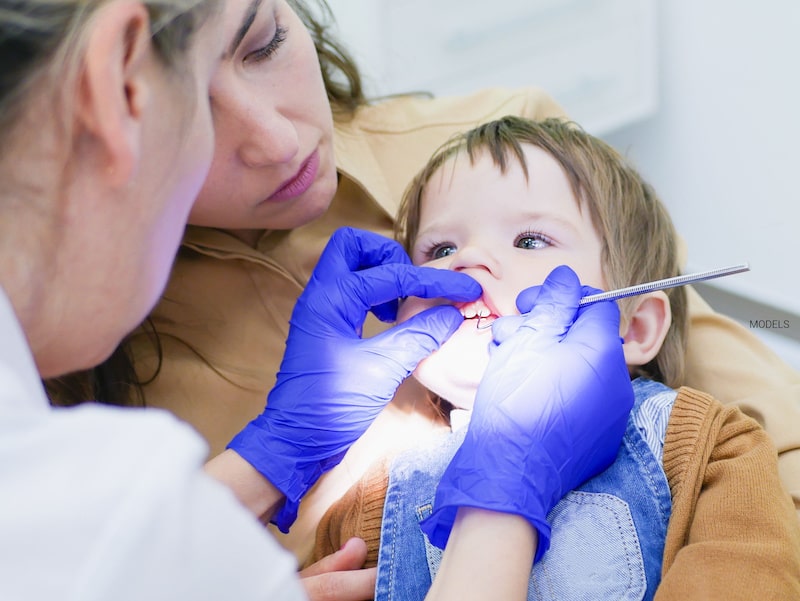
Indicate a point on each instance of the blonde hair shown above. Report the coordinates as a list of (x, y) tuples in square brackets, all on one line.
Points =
[(41, 38), (41, 46), (639, 242), (340, 73)]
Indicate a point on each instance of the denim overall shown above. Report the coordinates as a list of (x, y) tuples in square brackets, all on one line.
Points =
[(607, 536)]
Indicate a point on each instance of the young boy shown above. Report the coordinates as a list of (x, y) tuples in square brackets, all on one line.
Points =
[(506, 203)]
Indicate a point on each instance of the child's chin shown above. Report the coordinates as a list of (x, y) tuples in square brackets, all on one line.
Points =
[(455, 370), (460, 394)]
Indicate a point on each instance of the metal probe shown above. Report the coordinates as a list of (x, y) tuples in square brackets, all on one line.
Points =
[(680, 280)]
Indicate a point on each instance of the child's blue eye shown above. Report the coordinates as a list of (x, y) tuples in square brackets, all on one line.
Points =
[(439, 251), (443, 251), (532, 241)]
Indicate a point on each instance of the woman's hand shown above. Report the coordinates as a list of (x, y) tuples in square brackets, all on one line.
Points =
[(549, 413), (332, 383)]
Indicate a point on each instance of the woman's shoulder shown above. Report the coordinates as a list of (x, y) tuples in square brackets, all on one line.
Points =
[(410, 113)]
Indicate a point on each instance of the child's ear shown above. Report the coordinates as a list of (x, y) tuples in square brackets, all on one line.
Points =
[(646, 327)]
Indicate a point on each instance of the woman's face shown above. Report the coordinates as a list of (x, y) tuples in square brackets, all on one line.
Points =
[(273, 165)]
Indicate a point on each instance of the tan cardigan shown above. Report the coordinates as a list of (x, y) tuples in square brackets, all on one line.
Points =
[(733, 532)]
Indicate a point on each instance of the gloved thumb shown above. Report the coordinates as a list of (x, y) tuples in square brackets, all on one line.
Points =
[(552, 306), (557, 301), (413, 340)]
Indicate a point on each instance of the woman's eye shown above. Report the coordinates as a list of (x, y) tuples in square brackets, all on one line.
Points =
[(532, 241), (271, 48)]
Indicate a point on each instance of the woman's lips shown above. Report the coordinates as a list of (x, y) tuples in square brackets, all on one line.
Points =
[(300, 182)]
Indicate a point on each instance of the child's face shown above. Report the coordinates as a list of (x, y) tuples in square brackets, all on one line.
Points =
[(506, 232)]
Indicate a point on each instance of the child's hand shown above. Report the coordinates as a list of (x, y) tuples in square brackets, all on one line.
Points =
[(549, 413)]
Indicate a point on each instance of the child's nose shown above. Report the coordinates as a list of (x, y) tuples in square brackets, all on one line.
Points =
[(476, 258)]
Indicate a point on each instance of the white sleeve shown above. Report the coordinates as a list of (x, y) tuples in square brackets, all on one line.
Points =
[(113, 504)]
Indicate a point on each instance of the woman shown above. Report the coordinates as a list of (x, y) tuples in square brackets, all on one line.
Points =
[(300, 152), (75, 168), (106, 139)]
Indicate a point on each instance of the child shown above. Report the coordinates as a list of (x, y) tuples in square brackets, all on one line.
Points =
[(506, 203)]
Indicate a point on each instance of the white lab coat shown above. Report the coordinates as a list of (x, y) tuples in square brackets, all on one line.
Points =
[(100, 503)]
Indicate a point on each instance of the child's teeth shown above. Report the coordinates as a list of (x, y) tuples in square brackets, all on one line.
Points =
[(470, 313), (484, 312)]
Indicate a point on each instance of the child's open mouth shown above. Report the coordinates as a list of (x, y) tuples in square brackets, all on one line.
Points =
[(479, 312)]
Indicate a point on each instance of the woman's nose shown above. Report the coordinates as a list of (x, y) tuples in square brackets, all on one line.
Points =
[(476, 258), (269, 139)]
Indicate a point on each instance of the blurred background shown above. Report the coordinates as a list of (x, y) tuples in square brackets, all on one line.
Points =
[(704, 97)]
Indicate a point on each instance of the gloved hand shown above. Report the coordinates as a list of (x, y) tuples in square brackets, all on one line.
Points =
[(332, 383), (549, 413)]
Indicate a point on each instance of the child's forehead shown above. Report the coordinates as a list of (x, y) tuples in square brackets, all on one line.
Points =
[(534, 163), (502, 157)]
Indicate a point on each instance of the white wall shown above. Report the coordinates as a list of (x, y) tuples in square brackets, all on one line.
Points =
[(597, 57), (723, 149)]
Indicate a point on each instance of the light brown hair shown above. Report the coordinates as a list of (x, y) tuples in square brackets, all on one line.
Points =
[(339, 71), (639, 242), (41, 43), (43, 38)]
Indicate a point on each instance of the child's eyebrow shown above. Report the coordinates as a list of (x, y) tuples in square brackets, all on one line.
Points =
[(549, 218)]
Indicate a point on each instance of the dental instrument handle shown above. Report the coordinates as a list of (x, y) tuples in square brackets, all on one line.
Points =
[(680, 280)]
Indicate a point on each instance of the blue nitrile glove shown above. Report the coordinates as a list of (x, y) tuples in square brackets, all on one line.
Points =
[(332, 383), (549, 413)]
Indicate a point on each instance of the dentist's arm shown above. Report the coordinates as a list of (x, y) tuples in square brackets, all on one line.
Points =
[(252, 489), (332, 383), (489, 556)]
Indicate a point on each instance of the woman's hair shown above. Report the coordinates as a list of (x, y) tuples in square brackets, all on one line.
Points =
[(112, 382), (639, 242), (44, 38), (339, 71)]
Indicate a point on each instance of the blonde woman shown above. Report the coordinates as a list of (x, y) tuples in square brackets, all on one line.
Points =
[(106, 140)]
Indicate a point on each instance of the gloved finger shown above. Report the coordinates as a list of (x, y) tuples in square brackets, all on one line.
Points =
[(557, 302), (505, 327), (341, 306), (551, 315), (384, 283), (350, 249), (410, 342), (527, 298), (386, 312), (595, 323)]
